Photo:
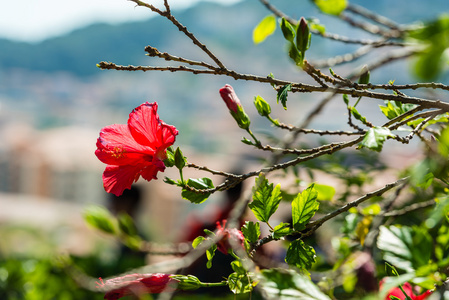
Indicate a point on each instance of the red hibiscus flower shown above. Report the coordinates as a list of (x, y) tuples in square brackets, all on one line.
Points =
[(137, 284), (408, 289), (134, 149), (233, 233)]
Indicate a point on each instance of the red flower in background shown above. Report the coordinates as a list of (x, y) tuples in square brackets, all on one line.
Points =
[(408, 289), (233, 233), (134, 149), (137, 284)]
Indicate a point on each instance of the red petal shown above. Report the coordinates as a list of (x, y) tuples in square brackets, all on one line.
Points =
[(139, 285), (118, 178), (423, 296), (116, 146), (147, 129), (168, 133), (150, 171)]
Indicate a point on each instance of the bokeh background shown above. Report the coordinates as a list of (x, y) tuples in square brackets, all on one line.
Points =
[(54, 101)]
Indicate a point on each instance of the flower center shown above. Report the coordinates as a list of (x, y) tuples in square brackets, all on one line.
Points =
[(118, 152)]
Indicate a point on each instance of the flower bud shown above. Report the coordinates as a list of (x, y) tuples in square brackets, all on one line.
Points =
[(235, 107), (262, 106), (303, 37), (137, 285), (287, 30), (187, 282), (364, 77)]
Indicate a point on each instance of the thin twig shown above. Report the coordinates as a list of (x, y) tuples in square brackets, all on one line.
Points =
[(417, 129), (152, 51), (403, 116), (296, 87), (409, 208), (425, 114), (382, 20), (316, 131), (345, 58), (371, 28), (111, 66), (167, 14), (314, 225), (214, 172)]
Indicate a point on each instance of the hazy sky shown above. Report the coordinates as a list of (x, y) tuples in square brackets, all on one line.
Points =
[(35, 20)]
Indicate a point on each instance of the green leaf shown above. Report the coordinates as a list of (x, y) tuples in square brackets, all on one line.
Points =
[(251, 231), (300, 255), (180, 160), (132, 242), (362, 228), (375, 138), (346, 99), (126, 224), (170, 181), (357, 115), (197, 241), (394, 109), (266, 199), (199, 184), (262, 106), (325, 192), (405, 247), (286, 284), (331, 7), (295, 55), (101, 219), (304, 207), (372, 210), (390, 270), (265, 28), (246, 141), (240, 283), (438, 119), (314, 24), (282, 95), (210, 253), (281, 230), (237, 266), (432, 37)]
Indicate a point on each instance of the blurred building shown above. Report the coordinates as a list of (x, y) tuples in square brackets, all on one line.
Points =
[(56, 163)]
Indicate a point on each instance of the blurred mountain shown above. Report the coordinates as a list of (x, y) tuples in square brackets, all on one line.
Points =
[(227, 28), (79, 51)]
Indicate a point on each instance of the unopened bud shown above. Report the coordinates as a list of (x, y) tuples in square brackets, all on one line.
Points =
[(287, 30), (364, 77), (262, 106), (235, 107), (303, 37), (187, 282)]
